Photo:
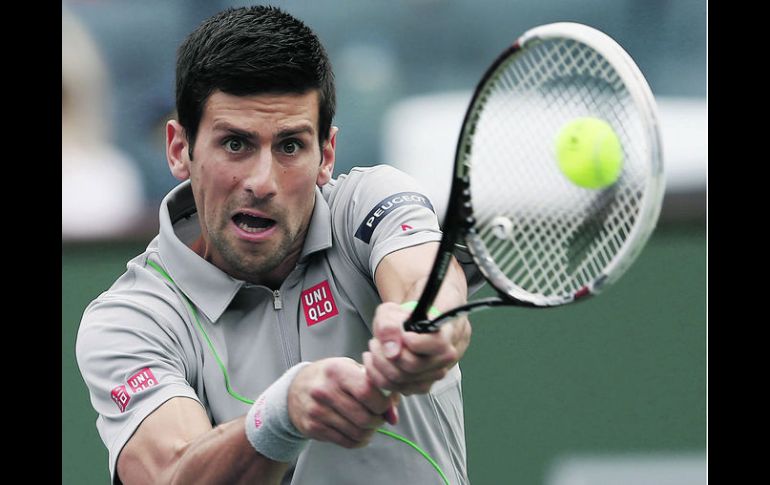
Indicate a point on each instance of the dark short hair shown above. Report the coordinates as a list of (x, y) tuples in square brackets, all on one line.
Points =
[(252, 50)]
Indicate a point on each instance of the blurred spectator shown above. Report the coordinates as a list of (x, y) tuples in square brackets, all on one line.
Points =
[(102, 193)]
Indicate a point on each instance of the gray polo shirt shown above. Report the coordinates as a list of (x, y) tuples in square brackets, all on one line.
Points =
[(152, 337)]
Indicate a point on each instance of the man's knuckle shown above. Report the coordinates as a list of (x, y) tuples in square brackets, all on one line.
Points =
[(376, 379), (315, 412), (314, 428), (330, 370), (395, 377), (320, 394), (411, 365), (451, 356), (359, 418)]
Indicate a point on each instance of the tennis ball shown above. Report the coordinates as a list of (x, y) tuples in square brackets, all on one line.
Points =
[(589, 152)]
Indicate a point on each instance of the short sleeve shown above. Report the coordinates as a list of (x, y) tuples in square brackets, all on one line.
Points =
[(379, 210), (132, 360)]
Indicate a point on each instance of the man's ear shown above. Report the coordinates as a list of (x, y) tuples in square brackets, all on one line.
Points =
[(327, 162), (177, 152)]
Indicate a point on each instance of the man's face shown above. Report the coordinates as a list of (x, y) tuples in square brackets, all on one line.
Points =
[(256, 163)]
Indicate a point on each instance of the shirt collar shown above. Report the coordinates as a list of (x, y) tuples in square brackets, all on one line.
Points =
[(319, 234), (208, 287)]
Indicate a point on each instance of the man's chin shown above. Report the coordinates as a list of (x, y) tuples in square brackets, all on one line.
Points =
[(253, 267), (249, 266)]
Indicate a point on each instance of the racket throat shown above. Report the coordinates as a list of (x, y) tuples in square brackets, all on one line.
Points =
[(457, 222)]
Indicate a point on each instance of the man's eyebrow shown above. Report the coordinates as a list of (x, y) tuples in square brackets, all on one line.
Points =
[(294, 131), (225, 126), (250, 135)]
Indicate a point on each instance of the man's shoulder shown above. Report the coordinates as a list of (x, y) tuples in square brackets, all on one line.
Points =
[(360, 181), (139, 297), (361, 173)]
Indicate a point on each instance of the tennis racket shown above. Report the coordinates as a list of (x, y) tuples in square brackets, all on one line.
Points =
[(538, 239)]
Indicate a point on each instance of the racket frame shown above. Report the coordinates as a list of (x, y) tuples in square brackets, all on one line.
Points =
[(459, 220)]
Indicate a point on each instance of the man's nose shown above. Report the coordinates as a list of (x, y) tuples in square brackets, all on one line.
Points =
[(261, 180)]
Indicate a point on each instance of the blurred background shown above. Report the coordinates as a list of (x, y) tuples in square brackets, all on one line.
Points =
[(609, 391)]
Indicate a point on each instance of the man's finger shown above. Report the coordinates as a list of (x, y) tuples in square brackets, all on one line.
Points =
[(388, 328)]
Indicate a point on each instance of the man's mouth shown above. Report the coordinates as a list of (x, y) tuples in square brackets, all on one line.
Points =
[(252, 224)]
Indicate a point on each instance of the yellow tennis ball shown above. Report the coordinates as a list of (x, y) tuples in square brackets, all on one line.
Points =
[(589, 152)]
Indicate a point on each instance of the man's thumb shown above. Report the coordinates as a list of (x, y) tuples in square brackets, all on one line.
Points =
[(388, 331)]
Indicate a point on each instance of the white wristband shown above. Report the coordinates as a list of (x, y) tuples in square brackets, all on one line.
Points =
[(268, 426)]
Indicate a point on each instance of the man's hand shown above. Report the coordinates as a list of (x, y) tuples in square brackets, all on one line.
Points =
[(334, 400), (409, 362)]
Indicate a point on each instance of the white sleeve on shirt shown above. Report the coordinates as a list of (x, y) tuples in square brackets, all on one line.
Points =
[(379, 210), (133, 351)]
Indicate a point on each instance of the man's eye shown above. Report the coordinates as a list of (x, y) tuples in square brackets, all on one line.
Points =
[(291, 147), (233, 145)]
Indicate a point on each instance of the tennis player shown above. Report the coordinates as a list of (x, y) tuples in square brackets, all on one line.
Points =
[(250, 342)]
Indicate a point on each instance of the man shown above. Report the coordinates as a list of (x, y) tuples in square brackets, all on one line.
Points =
[(252, 341)]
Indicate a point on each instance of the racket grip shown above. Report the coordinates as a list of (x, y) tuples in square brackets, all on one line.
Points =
[(390, 414), (421, 326)]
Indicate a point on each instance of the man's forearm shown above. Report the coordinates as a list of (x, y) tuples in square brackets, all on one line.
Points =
[(176, 444), (224, 455), (402, 275)]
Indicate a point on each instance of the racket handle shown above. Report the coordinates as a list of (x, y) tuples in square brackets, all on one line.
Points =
[(390, 414), (421, 325)]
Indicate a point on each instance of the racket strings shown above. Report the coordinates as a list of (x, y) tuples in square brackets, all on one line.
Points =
[(546, 235)]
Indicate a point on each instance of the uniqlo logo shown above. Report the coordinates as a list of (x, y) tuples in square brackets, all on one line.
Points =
[(142, 380), (259, 407), (318, 303), (121, 397)]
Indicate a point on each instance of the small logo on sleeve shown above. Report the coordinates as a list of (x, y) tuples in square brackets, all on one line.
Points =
[(385, 207), (121, 397), (142, 380), (318, 303), (259, 407)]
